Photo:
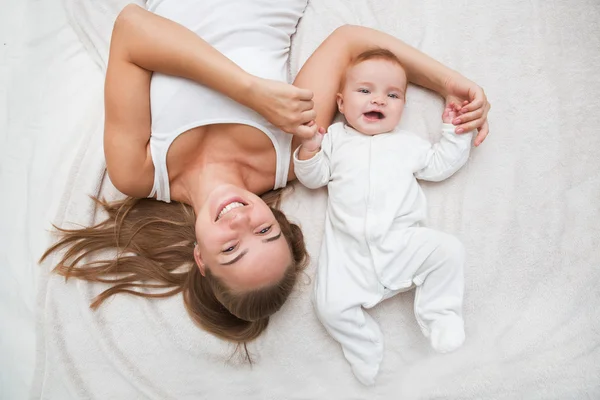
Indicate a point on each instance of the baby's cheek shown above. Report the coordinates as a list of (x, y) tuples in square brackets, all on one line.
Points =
[(397, 116)]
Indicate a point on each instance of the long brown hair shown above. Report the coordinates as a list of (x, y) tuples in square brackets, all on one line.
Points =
[(154, 243)]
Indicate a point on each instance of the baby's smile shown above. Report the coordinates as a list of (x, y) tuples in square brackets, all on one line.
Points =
[(372, 116)]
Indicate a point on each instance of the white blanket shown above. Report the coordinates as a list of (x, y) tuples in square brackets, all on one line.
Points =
[(526, 206)]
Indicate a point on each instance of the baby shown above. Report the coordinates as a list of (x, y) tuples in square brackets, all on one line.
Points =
[(373, 246)]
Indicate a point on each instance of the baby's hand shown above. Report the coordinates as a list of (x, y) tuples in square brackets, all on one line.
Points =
[(311, 146), (450, 112)]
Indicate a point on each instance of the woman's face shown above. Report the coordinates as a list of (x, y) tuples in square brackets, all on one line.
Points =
[(240, 240)]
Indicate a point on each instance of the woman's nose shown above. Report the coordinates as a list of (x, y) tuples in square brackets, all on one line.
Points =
[(239, 219)]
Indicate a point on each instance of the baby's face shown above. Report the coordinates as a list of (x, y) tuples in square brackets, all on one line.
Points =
[(372, 99)]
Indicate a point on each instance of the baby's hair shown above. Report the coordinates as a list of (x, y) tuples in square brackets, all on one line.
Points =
[(377, 53)]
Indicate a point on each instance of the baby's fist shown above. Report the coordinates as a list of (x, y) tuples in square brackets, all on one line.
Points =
[(450, 112), (312, 146)]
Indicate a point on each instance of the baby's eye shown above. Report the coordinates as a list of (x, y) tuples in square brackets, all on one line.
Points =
[(393, 96), (229, 249), (265, 230), (365, 91)]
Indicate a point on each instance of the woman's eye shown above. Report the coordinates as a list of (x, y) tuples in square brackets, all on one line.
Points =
[(393, 95), (265, 230), (229, 249)]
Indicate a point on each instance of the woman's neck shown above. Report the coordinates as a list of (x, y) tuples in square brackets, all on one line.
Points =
[(198, 183)]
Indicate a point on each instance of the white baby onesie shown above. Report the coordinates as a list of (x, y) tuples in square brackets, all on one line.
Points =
[(373, 247)]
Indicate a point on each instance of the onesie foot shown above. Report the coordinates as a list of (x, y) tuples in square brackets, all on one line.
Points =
[(365, 374), (447, 334)]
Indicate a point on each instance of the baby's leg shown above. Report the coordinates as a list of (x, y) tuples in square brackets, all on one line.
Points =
[(341, 289), (358, 334), (440, 287)]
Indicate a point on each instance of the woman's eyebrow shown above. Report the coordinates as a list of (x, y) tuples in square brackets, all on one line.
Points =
[(236, 259), (271, 239), (243, 253)]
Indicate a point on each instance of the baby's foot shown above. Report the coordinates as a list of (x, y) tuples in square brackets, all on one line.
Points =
[(366, 373), (447, 334)]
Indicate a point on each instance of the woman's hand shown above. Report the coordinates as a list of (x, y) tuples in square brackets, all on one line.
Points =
[(474, 107), (286, 106)]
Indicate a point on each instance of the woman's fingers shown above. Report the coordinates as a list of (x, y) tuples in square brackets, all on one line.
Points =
[(478, 100), (483, 132), (472, 112), (470, 126), (466, 89), (307, 105), (480, 124), (474, 104), (304, 94), (470, 116), (308, 116)]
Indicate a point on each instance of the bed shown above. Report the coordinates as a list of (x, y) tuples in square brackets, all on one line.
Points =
[(526, 206), (44, 70)]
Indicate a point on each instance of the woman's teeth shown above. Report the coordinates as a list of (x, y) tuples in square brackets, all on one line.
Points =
[(229, 207)]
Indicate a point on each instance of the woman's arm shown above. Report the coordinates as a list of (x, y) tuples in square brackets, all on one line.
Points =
[(158, 44), (142, 43), (323, 71)]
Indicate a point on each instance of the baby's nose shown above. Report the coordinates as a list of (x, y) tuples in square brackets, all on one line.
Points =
[(378, 100)]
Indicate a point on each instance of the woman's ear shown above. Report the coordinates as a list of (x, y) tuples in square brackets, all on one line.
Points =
[(198, 259), (340, 102)]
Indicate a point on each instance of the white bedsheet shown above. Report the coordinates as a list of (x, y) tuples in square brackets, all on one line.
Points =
[(48, 85), (17, 341), (527, 207)]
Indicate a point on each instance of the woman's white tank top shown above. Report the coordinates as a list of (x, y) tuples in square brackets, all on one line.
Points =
[(255, 34)]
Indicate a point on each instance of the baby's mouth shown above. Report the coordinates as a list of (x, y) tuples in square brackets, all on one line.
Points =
[(374, 115)]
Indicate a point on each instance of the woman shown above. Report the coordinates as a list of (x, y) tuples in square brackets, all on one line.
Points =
[(185, 123)]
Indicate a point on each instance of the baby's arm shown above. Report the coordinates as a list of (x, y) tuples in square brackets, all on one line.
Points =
[(312, 146), (311, 160), (447, 156)]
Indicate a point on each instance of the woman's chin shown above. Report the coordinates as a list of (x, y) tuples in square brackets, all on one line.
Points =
[(225, 194), (227, 189)]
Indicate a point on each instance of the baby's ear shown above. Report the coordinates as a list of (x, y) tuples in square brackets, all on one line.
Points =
[(340, 102)]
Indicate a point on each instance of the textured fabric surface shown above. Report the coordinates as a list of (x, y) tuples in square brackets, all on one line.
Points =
[(526, 207)]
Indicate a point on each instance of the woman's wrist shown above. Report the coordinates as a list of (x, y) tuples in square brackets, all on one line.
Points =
[(250, 89), (448, 83), (453, 83)]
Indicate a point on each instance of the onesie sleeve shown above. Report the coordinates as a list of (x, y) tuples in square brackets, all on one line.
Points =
[(447, 156), (316, 171)]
